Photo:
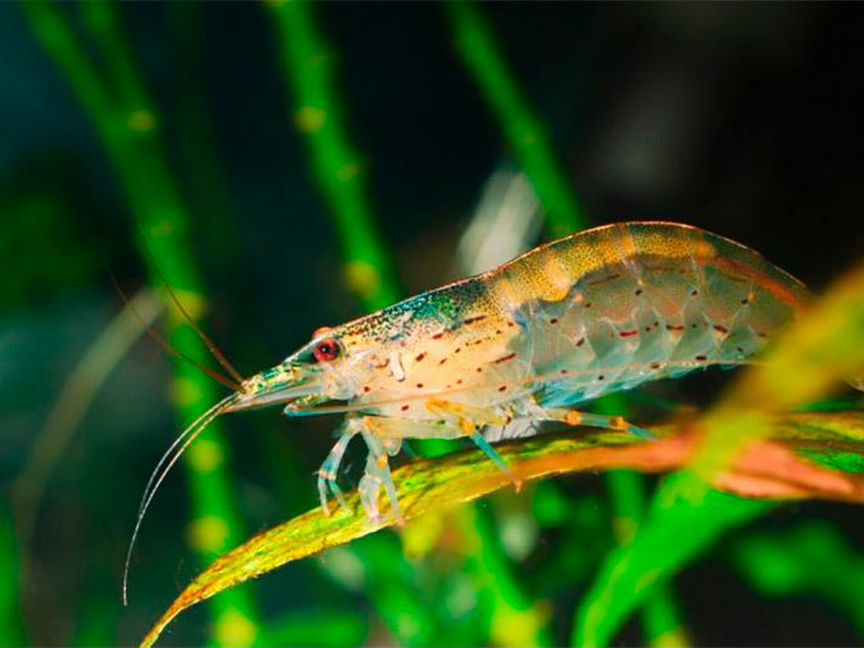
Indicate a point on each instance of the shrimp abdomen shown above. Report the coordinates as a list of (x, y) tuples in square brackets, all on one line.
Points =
[(609, 308)]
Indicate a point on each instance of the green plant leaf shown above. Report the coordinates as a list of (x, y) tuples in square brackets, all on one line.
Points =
[(676, 534), (769, 470)]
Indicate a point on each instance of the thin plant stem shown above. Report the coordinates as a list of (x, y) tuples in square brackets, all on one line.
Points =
[(74, 401), (309, 68), (660, 618), (515, 619), (128, 124), (318, 114), (525, 133), (339, 170), (11, 626)]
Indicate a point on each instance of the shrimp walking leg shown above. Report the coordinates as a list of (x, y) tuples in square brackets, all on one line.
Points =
[(574, 418), (384, 436), (327, 474), (469, 419), (490, 452), (378, 473)]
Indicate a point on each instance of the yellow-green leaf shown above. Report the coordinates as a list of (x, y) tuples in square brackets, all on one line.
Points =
[(768, 470)]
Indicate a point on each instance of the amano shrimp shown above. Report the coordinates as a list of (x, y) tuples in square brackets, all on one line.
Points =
[(493, 356)]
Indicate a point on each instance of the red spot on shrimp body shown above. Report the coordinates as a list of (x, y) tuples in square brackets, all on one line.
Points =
[(631, 333)]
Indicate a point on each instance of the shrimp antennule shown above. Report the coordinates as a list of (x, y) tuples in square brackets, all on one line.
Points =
[(233, 384), (208, 341)]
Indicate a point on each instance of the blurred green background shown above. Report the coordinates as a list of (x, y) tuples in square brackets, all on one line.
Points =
[(293, 166)]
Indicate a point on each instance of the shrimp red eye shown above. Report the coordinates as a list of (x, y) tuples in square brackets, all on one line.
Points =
[(326, 350)]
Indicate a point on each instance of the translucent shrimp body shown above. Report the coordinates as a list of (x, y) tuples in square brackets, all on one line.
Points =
[(491, 356)]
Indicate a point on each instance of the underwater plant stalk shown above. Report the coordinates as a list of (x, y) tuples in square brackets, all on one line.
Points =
[(660, 618), (525, 132), (11, 627), (128, 124), (310, 66), (516, 620), (564, 215), (339, 170)]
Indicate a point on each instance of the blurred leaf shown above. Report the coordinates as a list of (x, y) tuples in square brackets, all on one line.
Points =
[(51, 232), (389, 581), (632, 571), (767, 470), (814, 559), (809, 359), (319, 628), (514, 619)]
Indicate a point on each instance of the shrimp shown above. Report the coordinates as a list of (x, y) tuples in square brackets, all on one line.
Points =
[(494, 356)]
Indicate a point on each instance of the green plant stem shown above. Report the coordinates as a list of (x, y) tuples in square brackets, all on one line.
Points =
[(11, 626), (309, 66), (525, 132), (340, 172), (128, 125), (318, 114), (660, 618), (515, 619)]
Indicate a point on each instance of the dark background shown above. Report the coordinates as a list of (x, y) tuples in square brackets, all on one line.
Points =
[(744, 119)]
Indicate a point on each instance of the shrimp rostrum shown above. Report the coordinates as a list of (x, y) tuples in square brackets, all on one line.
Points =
[(493, 356)]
